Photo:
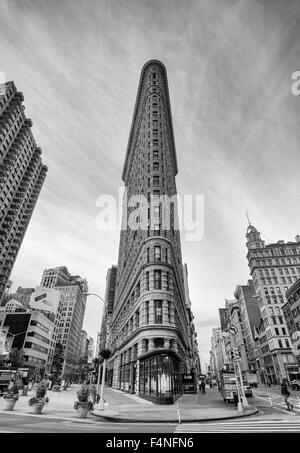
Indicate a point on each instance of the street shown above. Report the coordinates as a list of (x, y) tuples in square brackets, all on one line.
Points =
[(15, 423), (272, 417)]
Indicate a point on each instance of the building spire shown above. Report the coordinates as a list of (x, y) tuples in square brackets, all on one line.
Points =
[(248, 218)]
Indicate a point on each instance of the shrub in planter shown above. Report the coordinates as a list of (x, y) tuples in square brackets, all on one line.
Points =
[(40, 399), (11, 397), (84, 404)]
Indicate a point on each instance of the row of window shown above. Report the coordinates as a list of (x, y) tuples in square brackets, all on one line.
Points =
[(159, 317), (295, 297), (271, 290), (276, 280), (277, 331), (158, 280), (156, 181), (158, 254), (35, 346), (277, 262), (34, 360), (274, 320), (155, 167), (38, 336), (274, 299), (281, 271), (40, 326)]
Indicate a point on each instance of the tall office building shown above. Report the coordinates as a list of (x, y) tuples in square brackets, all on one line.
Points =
[(30, 332), (22, 175), (111, 279), (73, 289), (83, 352), (149, 334), (291, 312), (249, 318), (48, 301), (218, 355), (274, 268)]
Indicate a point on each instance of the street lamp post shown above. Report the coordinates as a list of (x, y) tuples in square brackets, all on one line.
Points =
[(232, 331), (101, 401)]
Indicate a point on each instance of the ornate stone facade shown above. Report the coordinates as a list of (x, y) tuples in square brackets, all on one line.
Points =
[(150, 316), (274, 269)]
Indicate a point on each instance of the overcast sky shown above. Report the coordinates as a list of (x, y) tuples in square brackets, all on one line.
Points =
[(236, 126)]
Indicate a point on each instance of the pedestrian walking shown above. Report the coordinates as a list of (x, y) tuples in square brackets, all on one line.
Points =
[(199, 384), (93, 392), (235, 398), (11, 384), (285, 392), (202, 386)]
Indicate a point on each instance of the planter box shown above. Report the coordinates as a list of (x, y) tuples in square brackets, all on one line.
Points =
[(82, 411), (10, 404), (37, 409)]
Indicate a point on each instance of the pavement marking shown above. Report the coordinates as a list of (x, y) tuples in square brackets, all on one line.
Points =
[(25, 414), (277, 408), (249, 426), (93, 426)]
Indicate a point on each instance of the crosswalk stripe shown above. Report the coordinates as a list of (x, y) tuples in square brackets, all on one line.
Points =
[(241, 426)]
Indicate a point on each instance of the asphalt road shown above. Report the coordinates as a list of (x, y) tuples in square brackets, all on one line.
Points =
[(12, 423)]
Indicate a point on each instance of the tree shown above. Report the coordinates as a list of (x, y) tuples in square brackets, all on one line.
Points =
[(57, 364), (105, 353), (16, 357)]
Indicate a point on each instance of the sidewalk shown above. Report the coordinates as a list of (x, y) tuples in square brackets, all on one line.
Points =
[(60, 404), (123, 407)]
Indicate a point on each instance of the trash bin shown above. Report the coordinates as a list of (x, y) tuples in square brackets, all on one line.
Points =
[(25, 390)]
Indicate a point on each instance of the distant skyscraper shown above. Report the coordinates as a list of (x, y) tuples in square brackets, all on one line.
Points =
[(249, 314), (73, 288), (83, 353), (150, 323), (22, 175), (274, 268), (111, 279), (22, 295)]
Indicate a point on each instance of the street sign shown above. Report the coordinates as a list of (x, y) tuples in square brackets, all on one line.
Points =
[(233, 330)]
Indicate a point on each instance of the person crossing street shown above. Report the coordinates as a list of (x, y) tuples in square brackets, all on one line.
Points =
[(285, 392)]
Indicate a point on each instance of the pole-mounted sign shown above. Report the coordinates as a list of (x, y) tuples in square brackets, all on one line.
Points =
[(233, 330)]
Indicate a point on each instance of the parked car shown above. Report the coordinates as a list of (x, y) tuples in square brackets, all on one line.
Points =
[(295, 384), (247, 388)]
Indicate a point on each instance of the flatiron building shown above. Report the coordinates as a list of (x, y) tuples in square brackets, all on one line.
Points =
[(150, 326)]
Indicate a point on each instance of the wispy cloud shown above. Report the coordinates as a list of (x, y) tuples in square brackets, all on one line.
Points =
[(236, 126)]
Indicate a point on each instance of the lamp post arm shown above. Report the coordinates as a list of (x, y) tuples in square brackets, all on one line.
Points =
[(93, 294)]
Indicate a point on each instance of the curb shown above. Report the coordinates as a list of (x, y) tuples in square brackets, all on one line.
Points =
[(111, 418)]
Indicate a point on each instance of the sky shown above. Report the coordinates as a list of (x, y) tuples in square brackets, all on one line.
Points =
[(235, 119)]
